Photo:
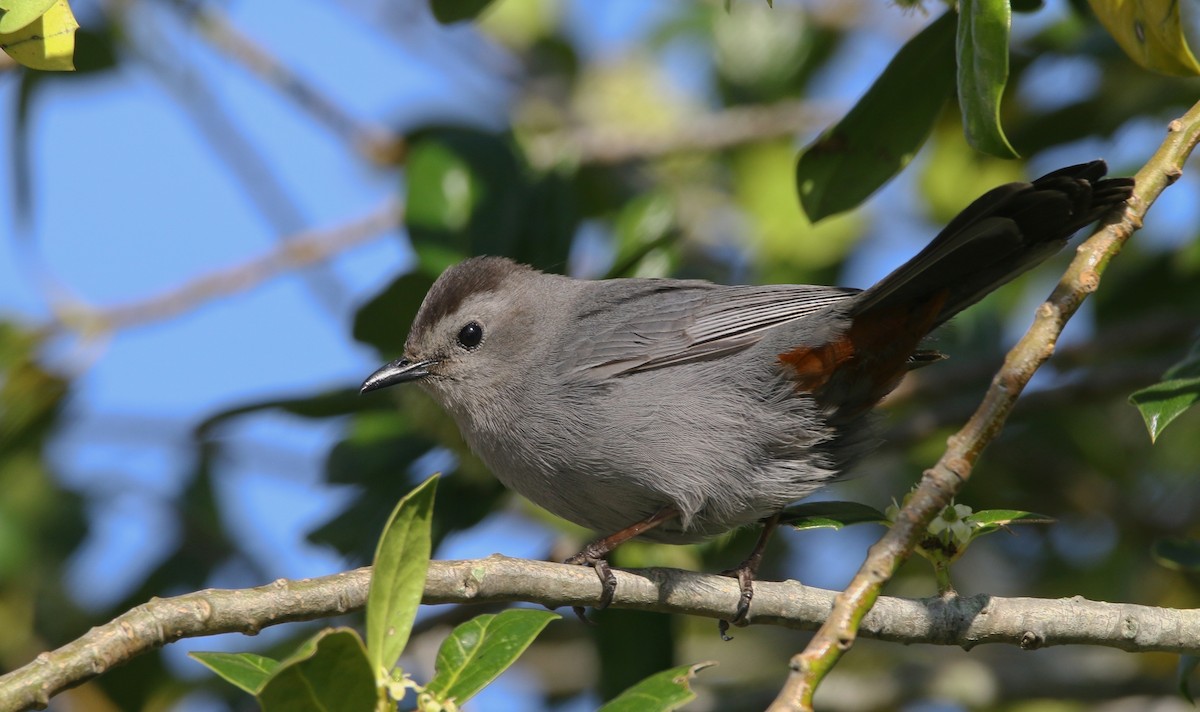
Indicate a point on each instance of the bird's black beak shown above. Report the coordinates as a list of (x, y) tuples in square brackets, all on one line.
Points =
[(399, 371)]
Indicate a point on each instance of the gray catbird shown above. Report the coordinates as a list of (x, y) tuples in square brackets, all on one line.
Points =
[(674, 409)]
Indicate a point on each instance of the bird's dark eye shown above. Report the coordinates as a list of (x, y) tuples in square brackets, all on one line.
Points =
[(470, 335)]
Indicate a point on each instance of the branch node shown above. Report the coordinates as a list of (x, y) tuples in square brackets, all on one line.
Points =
[(1129, 627), (1031, 640)]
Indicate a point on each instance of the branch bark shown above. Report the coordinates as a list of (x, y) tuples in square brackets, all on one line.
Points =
[(941, 482), (964, 621)]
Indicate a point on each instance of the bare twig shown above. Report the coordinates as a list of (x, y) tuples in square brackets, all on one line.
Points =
[(375, 143), (943, 480), (303, 249), (964, 621), (715, 131)]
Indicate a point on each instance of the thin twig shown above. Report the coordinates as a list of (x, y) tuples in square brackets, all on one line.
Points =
[(299, 251), (711, 132), (963, 621), (375, 143), (940, 483)]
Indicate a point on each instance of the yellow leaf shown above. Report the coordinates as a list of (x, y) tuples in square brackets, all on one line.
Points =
[(1151, 32), (46, 43), (19, 13)]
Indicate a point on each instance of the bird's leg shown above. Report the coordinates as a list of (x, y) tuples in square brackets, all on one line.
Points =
[(594, 554), (744, 573)]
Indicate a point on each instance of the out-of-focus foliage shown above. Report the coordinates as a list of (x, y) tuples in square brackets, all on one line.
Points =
[(535, 184)]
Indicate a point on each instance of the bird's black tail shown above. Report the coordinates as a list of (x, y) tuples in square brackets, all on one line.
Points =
[(1005, 232)]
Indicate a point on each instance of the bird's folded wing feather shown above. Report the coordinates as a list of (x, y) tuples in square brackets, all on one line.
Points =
[(655, 323)]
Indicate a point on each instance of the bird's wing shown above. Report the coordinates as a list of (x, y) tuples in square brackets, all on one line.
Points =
[(648, 324)]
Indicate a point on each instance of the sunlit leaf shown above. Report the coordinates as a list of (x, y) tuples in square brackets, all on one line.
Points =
[(398, 580), (19, 13), (661, 692), (477, 651), (329, 671), (1164, 402), (884, 130), (830, 515), (982, 46), (1151, 32), (47, 43), (246, 671)]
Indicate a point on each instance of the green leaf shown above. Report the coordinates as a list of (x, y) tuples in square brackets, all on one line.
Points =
[(982, 46), (447, 11), (1177, 554), (19, 13), (477, 651), (830, 515), (1168, 399), (329, 671), (401, 561), (1187, 665), (989, 520), (884, 130), (667, 690), (1164, 402), (246, 671)]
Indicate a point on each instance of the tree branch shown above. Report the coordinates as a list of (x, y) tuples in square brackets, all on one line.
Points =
[(964, 621), (708, 132), (376, 144), (940, 483), (298, 251)]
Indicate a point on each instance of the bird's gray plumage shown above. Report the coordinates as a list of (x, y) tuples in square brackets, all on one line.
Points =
[(604, 401)]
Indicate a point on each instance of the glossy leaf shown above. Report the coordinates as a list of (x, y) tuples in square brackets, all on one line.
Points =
[(477, 651), (329, 671), (884, 130), (447, 11), (1168, 399), (988, 520), (401, 561), (982, 48), (830, 515), (667, 690), (246, 671)]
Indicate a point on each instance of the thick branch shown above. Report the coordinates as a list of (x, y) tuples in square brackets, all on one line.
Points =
[(965, 621), (940, 483)]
